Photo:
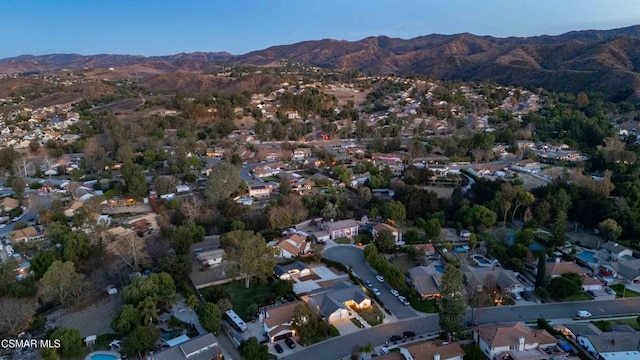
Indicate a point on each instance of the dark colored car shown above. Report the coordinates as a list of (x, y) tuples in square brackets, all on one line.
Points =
[(409, 334), (290, 343), (395, 338), (526, 296), (278, 348)]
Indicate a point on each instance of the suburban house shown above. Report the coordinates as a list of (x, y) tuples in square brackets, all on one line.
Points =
[(71, 210), (382, 227), (426, 281), (9, 203), (427, 351), (291, 271), (259, 191), (629, 269), (616, 252), (337, 302), (268, 170), (293, 245), (558, 268), (517, 340), (203, 347), (209, 257), (31, 233), (622, 342), (428, 249), (505, 280), (342, 228), (276, 320), (215, 152), (300, 154)]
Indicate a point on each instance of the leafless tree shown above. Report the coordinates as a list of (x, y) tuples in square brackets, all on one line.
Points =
[(15, 314), (131, 249), (192, 207)]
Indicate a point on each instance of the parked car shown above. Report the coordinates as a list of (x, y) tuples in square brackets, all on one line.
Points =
[(609, 291), (582, 314), (368, 284), (526, 296), (395, 292), (380, 278), (290, 343), (592, 293), (403, 300), (409, 334), (278, 348), (376, 291), (395, 338), (516, 296)]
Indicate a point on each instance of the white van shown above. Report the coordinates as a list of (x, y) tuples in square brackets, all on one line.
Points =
[(583, 314)]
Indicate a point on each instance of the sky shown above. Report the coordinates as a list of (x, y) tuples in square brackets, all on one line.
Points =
[(162, 27)]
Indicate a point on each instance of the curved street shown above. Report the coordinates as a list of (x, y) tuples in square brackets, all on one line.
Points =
[(353, 257)]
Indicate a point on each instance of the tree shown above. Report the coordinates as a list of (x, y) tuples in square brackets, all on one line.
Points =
[(183, 236), (251, 349), (385, 241), (125, 320), (135, 180), (541, 273), (394, 210), (192, 207), (41, 261), (364, 193), (432, 228), (609, 229), (305, 322), (210, 317), (559, 228), (289, 210), (75, 246), (158, 286), (148, 310), (282, 288), (504, 198), (343, 174), (70, 340), (223, 181), (330, 211), (16, 314), (143, 338), (62, 283), (453, 304), (179, 267), (130, 249), (284, 186), (165, 184), (251, 252), (18, 185), (521, 198), (562, 287)]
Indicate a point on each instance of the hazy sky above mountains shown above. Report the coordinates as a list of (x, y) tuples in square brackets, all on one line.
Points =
[(162, 27)]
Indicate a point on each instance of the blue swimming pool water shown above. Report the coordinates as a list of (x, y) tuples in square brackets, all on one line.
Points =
[(168, 335), (439, 268), (459, 249), (481, 260), (588, 256), (103, 357)]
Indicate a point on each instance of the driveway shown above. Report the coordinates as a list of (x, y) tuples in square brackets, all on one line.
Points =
[(345, 326), (354, 257)]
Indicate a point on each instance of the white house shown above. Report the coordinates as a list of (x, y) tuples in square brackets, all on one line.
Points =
[(291, 271), (210, 257), (339, 301), (342, 228), (616, 252), (260, 191), (293, 245), (497, 341)]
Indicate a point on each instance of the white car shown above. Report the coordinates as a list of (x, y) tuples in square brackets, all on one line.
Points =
[(395, 292), (380, 278), (376, 291), (403, 300), (583, 314)]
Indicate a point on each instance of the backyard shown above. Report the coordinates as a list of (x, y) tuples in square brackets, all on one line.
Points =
[(373, 316), (259, 293)]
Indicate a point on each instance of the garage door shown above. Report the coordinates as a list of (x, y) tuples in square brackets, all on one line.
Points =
[(283, 336)]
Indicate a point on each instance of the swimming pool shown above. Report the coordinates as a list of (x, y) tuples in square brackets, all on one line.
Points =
[(103, 355), (439, 268), (588, 256), (481, 260), (168, 335), (461, 249)]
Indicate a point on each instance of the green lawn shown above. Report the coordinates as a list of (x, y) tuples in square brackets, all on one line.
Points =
[(579, 297), (258, 293), (620, 291), (373, 316), (426, 306), (342, 241), (631, 322)]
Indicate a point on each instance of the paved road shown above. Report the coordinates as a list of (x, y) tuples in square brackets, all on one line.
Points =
[(34, 202), (245, 172), (340, 347), (556, 311), (353, 256)]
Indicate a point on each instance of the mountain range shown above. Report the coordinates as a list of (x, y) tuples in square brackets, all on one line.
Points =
[(604, 61)]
